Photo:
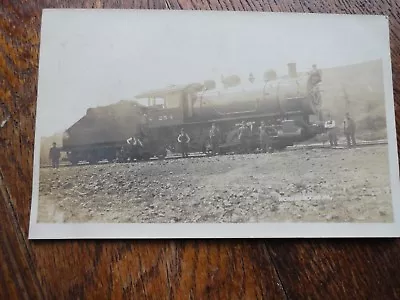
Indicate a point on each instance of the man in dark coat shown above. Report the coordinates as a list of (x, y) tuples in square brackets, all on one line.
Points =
[(54, 155), (349, 130), (135, 147)]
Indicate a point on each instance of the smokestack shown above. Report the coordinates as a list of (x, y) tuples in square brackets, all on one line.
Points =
[(292, 70)]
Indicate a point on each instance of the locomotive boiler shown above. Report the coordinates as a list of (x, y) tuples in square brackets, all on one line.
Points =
[(284, 103)]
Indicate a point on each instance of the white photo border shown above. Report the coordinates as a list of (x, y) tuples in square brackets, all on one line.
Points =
[(228, 230)]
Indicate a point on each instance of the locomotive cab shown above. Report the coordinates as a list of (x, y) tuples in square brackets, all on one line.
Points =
[(172, 105), (167, 111)]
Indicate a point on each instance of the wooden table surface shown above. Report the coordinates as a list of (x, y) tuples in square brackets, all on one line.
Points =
[(167, 269)]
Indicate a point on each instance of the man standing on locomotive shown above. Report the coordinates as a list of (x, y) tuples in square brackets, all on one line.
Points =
[(183, 140), (315, 74), (214, 139)]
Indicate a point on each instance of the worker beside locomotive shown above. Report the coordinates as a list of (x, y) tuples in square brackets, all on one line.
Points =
[(264, 138), (285, 103), (184, 140), (214, 139)]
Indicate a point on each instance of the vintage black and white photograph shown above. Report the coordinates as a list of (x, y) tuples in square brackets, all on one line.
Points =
[(184, 117)]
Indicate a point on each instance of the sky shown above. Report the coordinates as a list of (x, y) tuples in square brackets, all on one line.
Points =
[(92, 58)]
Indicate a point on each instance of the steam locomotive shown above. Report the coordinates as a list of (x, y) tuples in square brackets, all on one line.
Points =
[(285, 104)]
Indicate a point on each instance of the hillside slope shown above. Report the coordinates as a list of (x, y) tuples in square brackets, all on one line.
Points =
[(359, 90)]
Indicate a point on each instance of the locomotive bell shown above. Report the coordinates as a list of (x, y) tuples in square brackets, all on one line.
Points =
[(292, 70)]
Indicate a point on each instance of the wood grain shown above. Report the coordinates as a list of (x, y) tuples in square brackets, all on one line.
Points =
[(223, 269)]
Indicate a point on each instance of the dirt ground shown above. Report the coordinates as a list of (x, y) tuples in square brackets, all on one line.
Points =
[(328, 185)]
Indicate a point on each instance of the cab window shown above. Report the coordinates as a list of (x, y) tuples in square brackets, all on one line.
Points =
[(173, 100)]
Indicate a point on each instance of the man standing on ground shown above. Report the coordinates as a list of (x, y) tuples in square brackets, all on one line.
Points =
[(349, 130), (244, 135), (54, 156), (183, 140), (214, 139), (135, 146), (330, 126), (264, 137)]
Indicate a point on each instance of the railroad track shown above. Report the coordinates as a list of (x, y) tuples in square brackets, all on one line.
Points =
[(298, 147), (340, 146)]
